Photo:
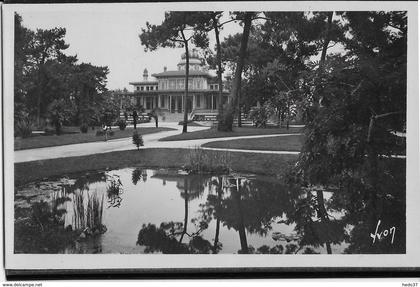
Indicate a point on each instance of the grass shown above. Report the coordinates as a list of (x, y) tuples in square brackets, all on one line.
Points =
[(283, 143), (25, 172), (78, 137), (243, 131)]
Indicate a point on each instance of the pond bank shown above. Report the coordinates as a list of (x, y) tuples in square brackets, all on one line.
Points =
[(25, 172)]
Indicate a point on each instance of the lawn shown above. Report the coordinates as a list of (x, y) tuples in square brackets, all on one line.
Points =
[(268, 164), (73, 137), (279, 143), (243, 131)]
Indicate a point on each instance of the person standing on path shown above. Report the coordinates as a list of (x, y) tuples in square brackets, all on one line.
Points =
[(154, 115), (135, 116)]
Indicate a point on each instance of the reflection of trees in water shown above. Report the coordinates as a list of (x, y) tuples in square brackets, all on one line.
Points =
[(314, 225), (138, 174), (245, 205), (362, 198), (193, 187), (168, 237), (164, 239), (368, 199), (83, 181)]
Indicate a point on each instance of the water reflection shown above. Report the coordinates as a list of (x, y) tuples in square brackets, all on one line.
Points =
[(180, 213), (114, 191), (138, 174)]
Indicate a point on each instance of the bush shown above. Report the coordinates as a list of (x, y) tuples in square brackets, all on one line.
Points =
[(84, 128), (24, 128), (202, 161), (137, 140), (102, 133), (122, 124), (260, 115)]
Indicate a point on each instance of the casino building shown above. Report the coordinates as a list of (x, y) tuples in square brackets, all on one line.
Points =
[(165, 91)]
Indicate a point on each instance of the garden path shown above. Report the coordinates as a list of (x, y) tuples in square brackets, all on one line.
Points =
[(150, 141)]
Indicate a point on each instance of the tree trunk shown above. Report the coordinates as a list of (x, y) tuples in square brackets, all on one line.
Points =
[(227, 119), (241, 226), (239, 109), (185, 210), (288, 112), (317, 99), (187, 73), (219, 68), (323, 215), (326, 41), (38, 99), (219, 201)]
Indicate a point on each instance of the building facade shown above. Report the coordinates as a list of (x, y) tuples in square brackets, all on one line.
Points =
[(165, 91)]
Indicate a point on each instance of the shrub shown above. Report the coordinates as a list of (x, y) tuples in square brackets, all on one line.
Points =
[(24, 128), (84, 128), (137, 140), (202, 161), (102, 133), (122, 124), (260, 115)]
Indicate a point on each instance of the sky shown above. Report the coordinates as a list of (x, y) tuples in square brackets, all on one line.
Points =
[(110, 37)]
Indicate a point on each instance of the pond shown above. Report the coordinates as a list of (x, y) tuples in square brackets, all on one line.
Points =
[(138, 210)]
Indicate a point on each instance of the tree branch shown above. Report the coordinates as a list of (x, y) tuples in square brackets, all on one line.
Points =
[(189, 38), (176, 40), (355, 89), (228, 21)]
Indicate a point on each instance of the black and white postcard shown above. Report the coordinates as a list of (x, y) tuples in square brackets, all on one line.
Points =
[(211, 136)]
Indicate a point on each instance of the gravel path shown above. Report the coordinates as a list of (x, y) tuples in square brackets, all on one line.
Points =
[(150, 141)]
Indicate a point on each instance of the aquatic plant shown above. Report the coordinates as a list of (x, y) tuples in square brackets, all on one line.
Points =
[(202, 161), (88, 214), (114, 191), (40, 229), (79, 211)]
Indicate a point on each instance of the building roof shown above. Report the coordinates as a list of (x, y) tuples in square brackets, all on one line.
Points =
[(160, 92), (181, 73), (144, 83)]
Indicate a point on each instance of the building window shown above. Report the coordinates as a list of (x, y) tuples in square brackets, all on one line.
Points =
[(147, 88), (151, 88), (197, 101), (172, 84), (149, 103), (138, 88), (208, 102), (162, 101), (156, 88), (180, 84), (142, 88)]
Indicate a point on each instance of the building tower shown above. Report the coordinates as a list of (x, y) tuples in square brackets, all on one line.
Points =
[(145, 75), (195, 62)]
